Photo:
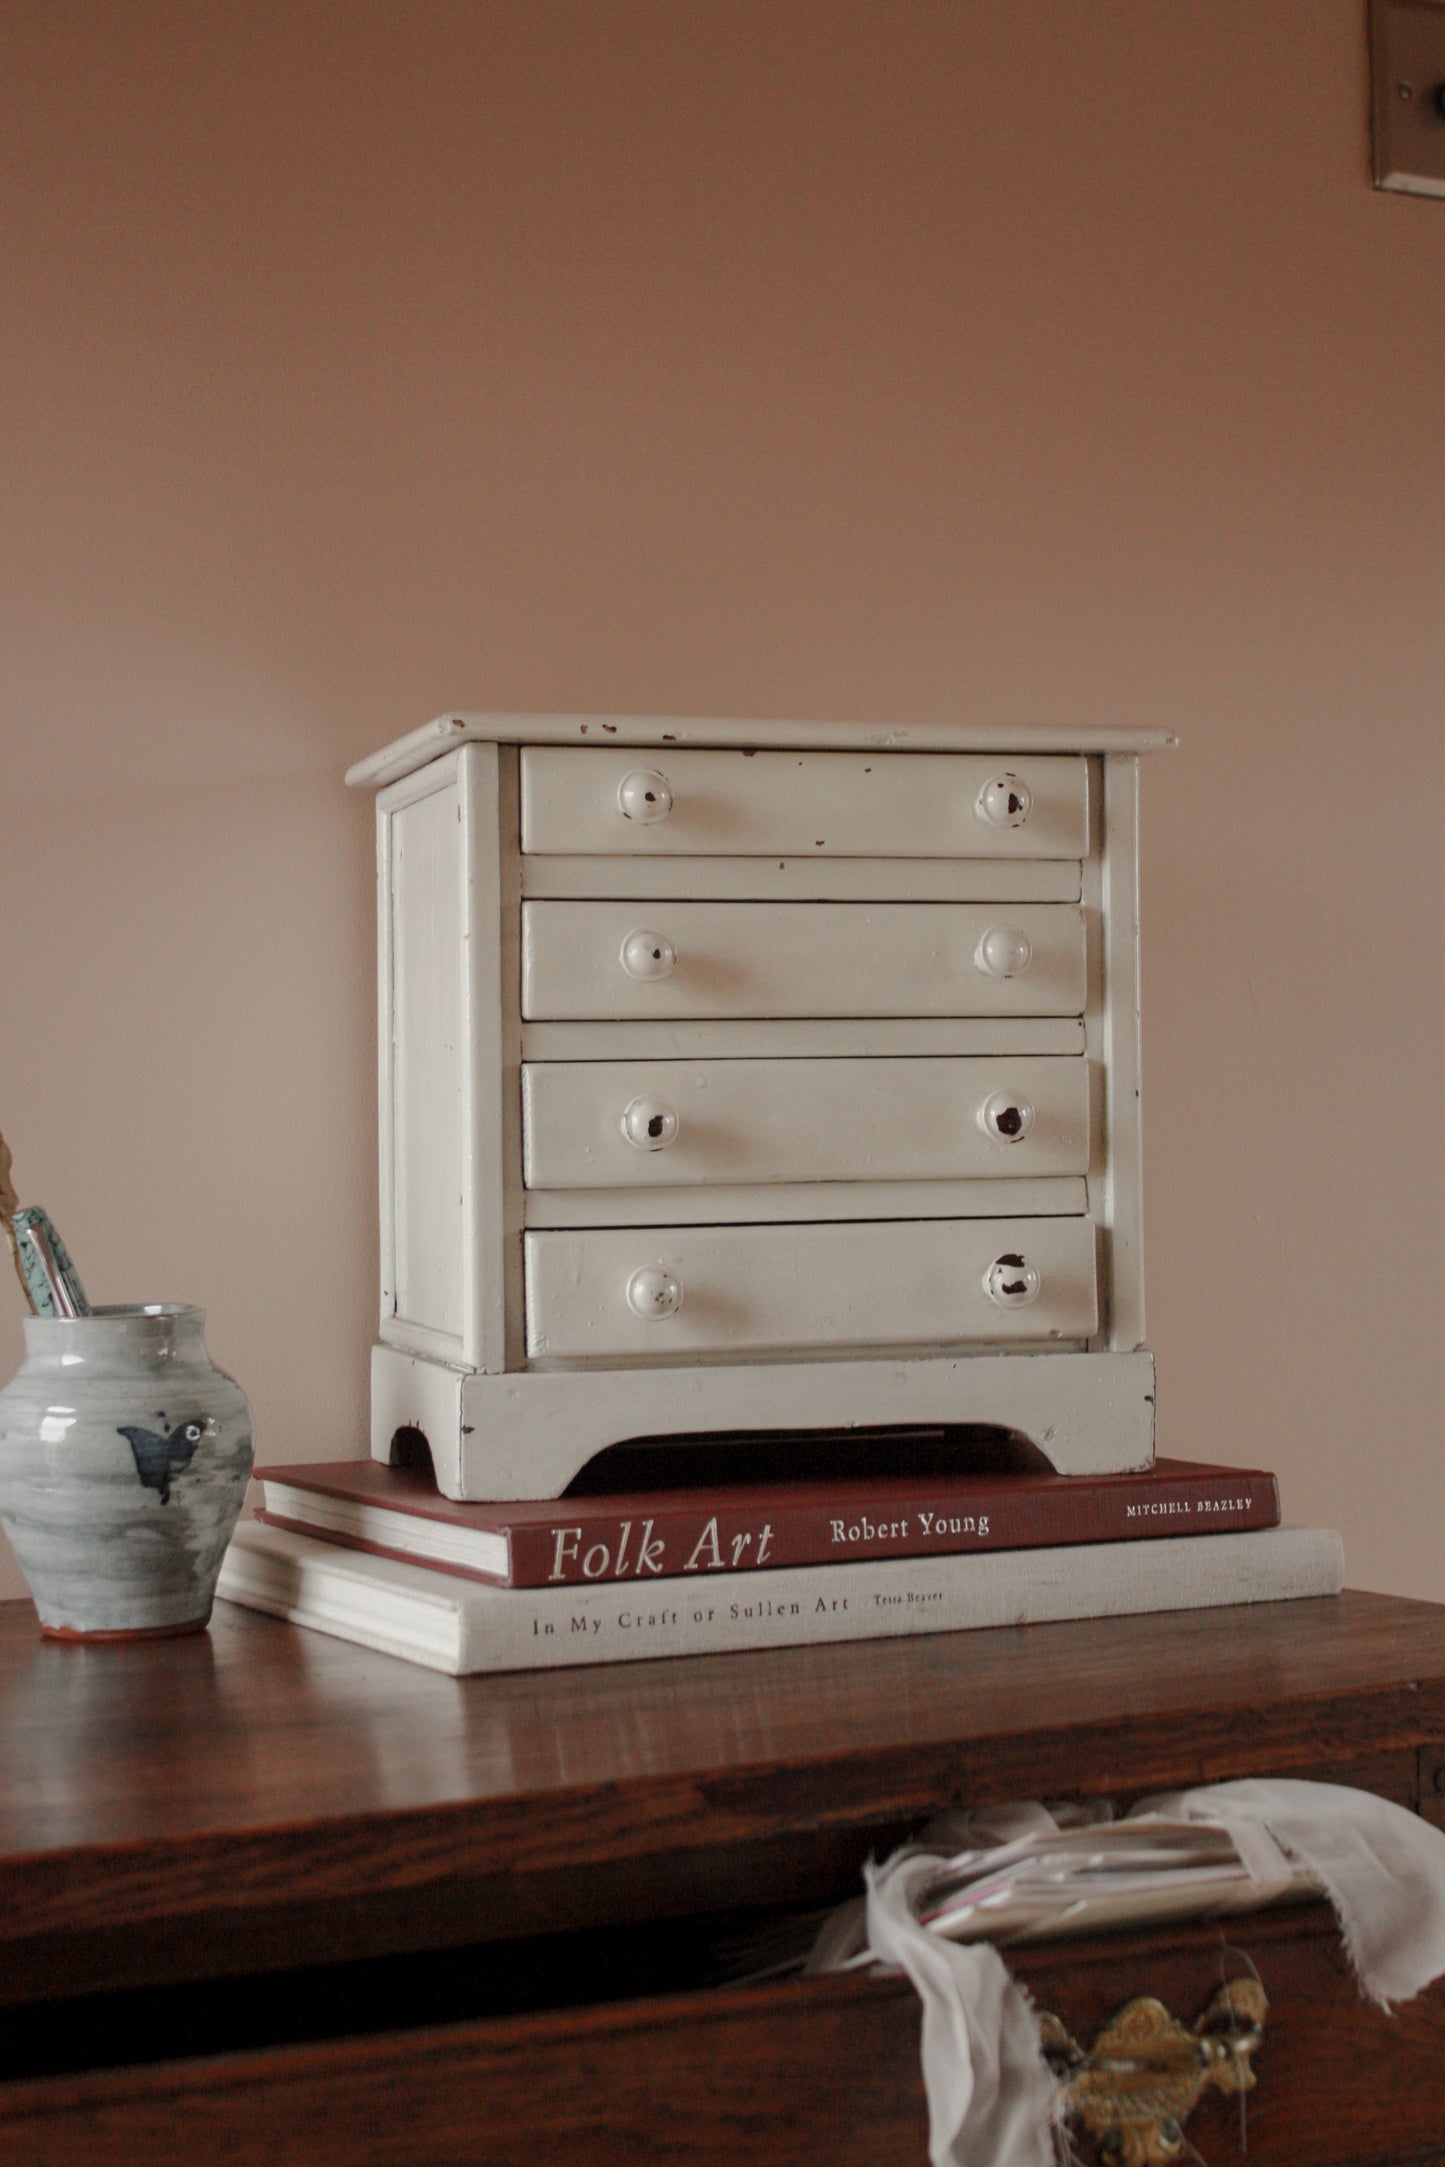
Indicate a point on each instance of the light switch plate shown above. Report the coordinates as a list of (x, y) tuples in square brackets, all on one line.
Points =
[(1407, 67)]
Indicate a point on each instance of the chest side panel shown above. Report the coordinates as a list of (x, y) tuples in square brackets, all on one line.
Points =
[(423, 1061)]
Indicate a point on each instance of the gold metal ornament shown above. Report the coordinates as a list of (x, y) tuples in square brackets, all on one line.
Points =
[(1145, 2073)]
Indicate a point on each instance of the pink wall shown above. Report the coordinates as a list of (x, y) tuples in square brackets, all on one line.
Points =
[(996, 359)]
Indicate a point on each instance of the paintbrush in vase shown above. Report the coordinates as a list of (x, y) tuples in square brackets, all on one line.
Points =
[(51, 1282)]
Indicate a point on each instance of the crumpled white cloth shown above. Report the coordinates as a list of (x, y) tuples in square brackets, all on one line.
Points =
[(992, 2099), (991, 2095), (1382, 1867)]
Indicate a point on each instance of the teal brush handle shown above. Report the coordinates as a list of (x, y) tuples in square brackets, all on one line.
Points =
[(51, 1280)]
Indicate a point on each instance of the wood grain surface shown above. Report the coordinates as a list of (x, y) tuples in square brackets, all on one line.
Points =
[(263, 1796), (788, 2075), (185, 1825)]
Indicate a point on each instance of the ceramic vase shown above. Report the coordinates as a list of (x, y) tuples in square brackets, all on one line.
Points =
[(124, 1457)]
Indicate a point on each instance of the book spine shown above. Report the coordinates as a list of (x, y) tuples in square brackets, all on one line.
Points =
[(407, 1610), (700, 1541), (896, 1598)]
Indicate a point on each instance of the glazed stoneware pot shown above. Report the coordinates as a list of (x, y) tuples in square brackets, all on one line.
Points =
[(124, 1457)]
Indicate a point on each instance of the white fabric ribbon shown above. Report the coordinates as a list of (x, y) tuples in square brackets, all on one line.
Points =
[(1382, 1867), (991, 2095), (992, 2099)]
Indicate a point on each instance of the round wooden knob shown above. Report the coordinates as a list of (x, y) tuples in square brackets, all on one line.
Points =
[(1012, 1282), (1005, 801), (647, 955), (1004, 952), (1007, 1116), (650, 1124), (653, 1293), (644, 795)]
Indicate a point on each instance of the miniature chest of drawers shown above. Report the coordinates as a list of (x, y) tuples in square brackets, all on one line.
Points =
[(755, 1076)]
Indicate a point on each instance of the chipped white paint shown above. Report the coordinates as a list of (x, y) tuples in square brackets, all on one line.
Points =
[(461, 726), (631, 1124), (729, 1091), (627, 961), (743, 1289), (782, 804)]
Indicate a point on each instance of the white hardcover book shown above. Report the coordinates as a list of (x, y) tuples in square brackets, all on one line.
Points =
[(462, 1626)]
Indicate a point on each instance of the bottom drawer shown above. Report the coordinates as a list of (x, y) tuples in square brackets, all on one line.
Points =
[(667, 1291), (808, 2073)]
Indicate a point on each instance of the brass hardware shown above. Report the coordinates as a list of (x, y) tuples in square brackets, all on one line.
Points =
[(1143, 2076)]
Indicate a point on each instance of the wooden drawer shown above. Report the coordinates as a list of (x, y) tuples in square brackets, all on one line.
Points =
[(669, 1291), (650, 1124), (586, 802), (806, 2073), (617, 960)]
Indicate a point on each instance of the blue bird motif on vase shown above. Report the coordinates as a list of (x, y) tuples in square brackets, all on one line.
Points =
[(158, 1458)]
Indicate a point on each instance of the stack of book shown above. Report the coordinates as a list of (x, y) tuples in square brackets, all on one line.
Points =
[(719, 1557)]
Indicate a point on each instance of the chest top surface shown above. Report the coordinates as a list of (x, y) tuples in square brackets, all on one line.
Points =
[(463, 726)]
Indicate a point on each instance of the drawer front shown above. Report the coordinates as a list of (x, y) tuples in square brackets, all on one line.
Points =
[(650, 1124), (579, 802), (791, 2073), (667, 1291), (621, 960)]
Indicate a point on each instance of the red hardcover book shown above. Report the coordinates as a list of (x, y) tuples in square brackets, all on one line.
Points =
[(397, 1512)]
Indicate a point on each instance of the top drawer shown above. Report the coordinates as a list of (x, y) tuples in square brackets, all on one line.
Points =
[(583, 802)]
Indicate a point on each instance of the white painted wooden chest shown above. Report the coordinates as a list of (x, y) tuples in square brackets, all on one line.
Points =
[(741, 1075)]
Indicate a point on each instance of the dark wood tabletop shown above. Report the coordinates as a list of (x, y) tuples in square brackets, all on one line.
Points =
[(263, 1795)]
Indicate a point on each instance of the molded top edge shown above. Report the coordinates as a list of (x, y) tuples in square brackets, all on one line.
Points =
[(460, 728)]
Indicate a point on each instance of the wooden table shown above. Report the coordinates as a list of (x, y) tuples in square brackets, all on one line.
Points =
[(267, 1896)]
